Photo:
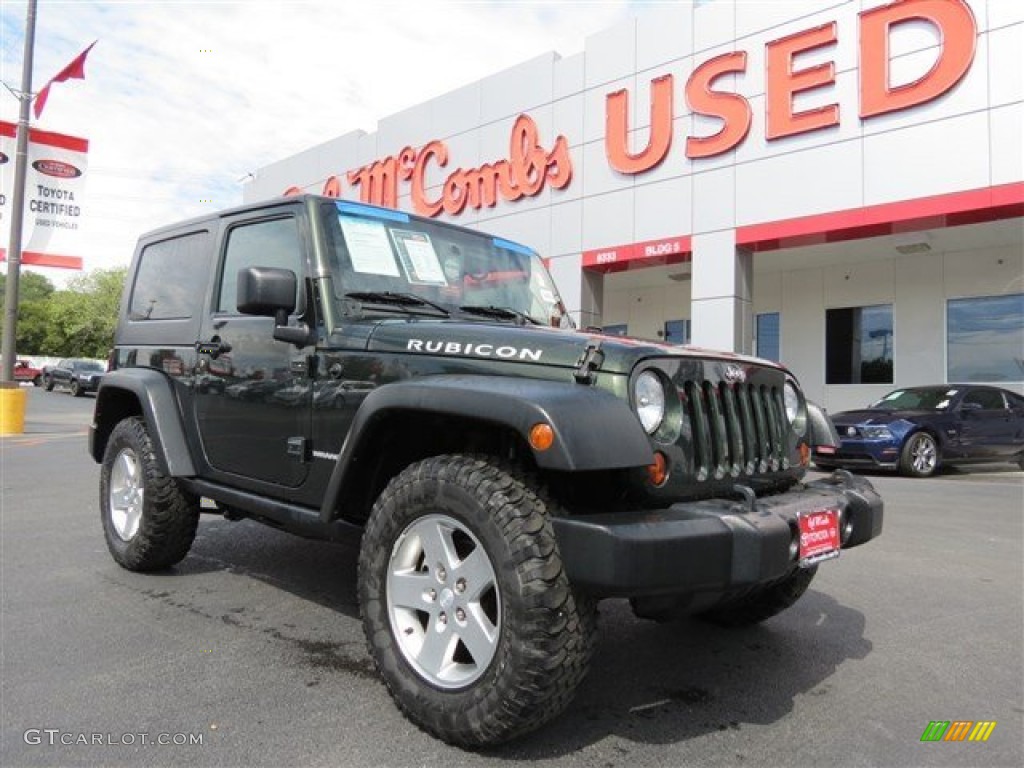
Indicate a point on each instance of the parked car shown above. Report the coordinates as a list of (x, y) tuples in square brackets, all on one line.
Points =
[(25, 371), (918, 430), (77, 376)]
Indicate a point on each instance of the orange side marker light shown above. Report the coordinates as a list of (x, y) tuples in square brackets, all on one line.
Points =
[(542, 437)]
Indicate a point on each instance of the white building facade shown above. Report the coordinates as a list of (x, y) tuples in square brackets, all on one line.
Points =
[(836, 185)]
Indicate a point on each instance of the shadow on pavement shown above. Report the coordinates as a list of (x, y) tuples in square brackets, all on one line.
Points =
[(648, 683)]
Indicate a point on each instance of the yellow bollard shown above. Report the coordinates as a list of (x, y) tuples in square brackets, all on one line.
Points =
[(12, 409)]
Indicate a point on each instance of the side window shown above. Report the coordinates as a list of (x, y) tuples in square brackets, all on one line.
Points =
[(273, 243), (988, 399), (154, 297)]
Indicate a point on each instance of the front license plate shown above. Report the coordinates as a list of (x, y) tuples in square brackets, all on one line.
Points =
[(819, 536)]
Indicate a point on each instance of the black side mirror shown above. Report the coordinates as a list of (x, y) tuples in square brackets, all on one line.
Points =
[(270, 292)]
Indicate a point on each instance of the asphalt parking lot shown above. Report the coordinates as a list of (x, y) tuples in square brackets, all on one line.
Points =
[(253, 645)]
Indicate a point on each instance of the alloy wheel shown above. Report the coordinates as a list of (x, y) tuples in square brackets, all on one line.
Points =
[(443, 602), (127, 494)]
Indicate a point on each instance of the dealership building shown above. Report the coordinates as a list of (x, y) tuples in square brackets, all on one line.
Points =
[(835, 185)]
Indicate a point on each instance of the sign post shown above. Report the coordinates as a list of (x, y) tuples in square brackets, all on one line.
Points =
[(9, 350)]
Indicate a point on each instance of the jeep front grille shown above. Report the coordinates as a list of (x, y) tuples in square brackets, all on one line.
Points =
[(736, 429)]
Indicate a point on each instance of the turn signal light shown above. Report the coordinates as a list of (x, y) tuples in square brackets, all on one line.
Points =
[(657, 472), (805, 455), (542, 437)]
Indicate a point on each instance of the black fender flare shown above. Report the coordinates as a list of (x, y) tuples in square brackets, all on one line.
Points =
[(821, 430), (154, 393), (593, 428)]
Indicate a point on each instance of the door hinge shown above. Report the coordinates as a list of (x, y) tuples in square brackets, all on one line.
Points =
[(589, 362), (304, 365), (298, 448)]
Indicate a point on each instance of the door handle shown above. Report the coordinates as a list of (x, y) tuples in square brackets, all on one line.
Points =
[(214, 347)]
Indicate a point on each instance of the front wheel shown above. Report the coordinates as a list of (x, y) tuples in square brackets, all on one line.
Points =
[(148, 521), (467, 610), (920, 456), (76, 388)]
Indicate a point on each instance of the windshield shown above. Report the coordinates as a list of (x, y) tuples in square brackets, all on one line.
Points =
[(928, 399), (376, 251), (87, 365)]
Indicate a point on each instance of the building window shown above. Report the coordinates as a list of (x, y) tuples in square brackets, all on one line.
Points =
[(767, 336), (677, 331), (985, 338), (858, 345), (618, 329)]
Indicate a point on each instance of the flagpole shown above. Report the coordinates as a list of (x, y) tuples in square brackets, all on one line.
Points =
[(9, 349)]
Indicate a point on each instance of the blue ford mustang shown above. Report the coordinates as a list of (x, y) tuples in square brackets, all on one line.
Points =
[(916, 430)]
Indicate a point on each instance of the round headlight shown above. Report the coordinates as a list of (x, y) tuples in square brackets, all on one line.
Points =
[(791, 399), (649, 399), (793, 404)]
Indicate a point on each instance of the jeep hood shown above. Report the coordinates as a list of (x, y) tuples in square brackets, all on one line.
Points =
[(531, 344)]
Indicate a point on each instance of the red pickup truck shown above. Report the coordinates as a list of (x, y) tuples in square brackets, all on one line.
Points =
[(25, 371)]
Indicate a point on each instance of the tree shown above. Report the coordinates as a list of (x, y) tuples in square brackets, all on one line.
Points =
[(81, 319), (34, 292)]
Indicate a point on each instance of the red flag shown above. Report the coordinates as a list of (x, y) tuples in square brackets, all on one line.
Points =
[(73, 71)]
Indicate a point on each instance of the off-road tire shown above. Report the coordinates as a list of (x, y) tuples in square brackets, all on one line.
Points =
[(76, 388), (48, 383), (545, 631), (920, 455), (169, 516), (764, 602)]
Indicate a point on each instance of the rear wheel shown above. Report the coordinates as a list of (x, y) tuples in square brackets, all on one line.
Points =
[(148, 521), (467, 610), (920, 455), (48, 383), (764, 602), (37, 381)]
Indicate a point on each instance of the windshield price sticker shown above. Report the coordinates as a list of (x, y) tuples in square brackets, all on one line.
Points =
[(819, 536), (418, 257), (368, 247)]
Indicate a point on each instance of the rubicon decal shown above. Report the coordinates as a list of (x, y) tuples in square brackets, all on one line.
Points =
[(474, 350), (958, 730), (57, 168)]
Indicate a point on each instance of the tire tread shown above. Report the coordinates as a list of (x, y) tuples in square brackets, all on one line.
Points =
[(557, 626), (170, 516)]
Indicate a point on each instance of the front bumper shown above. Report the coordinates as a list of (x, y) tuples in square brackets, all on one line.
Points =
[(880, 454), (716, 546)]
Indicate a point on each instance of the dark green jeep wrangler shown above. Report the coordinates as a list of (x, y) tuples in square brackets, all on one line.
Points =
[(335, 369)]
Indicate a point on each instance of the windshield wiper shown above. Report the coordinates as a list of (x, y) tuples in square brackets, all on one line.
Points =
[(503, 313), (403, 302)]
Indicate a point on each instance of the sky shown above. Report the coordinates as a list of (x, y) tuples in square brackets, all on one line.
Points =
[(182, 100)]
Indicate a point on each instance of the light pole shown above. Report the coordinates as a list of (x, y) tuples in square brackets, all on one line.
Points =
[(18, 203)]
